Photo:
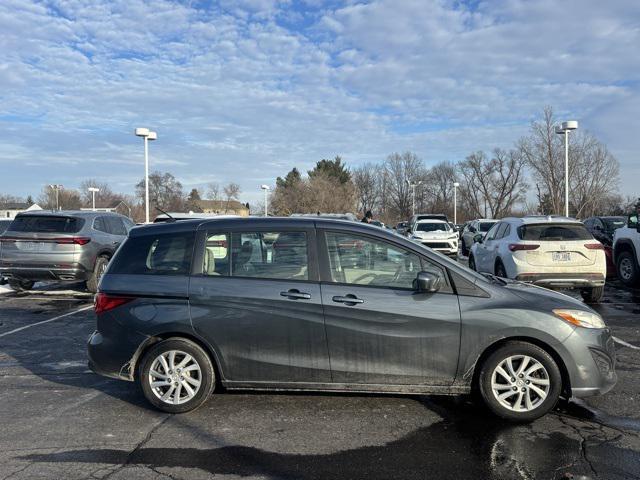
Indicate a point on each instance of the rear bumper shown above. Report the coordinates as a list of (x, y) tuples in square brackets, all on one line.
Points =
[(563, 280), (114, 356), (74, 271)]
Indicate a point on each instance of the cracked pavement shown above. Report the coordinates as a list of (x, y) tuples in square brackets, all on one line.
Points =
[(59, 420)]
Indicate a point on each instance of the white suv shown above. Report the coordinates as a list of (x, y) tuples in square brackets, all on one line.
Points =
[(553, 252), (435, 234)]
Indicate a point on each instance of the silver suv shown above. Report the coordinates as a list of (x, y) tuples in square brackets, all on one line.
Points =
[(64, 245)]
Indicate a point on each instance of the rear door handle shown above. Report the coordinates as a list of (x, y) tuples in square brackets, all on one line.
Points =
[(348, 299), (295, 295)]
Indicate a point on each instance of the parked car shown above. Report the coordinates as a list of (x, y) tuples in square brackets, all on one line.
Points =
[(424, 216), (334, 306), (471, 230), (63, 245), (4, 223), (553, 252), (602, 229), (626, 248), (401, 228), (437, 235)]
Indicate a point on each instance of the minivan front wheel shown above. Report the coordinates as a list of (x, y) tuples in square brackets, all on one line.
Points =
[(176, 375), (520, 382)]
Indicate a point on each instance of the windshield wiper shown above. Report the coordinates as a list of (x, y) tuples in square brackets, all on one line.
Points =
[(494, 279)]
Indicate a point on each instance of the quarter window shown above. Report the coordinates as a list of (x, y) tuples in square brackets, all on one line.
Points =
[(168, 254), (360, 260)]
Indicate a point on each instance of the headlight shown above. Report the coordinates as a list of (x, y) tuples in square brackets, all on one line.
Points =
[(580, 318)]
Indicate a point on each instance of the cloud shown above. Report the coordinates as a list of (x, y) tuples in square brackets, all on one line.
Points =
[(243, 91)]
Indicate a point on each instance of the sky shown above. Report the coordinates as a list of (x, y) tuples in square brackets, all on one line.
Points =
[(244, 90)]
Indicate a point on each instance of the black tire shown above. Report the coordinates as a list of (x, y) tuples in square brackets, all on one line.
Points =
[(465, 250), (206, 378), (472, 263), (499, 270), (511, 349), (627, 269), (20, 285), (98, 269), (592, 295)]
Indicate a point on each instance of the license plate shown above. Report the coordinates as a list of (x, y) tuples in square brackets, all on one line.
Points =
[(29, 246), (561, 256)]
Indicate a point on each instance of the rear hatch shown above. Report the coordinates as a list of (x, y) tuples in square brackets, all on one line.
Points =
[(560, 246), (41, 240)]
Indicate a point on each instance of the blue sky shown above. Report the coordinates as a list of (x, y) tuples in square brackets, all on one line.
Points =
[(243, 90)]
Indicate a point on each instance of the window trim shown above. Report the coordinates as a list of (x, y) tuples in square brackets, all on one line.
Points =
[(325, 270)]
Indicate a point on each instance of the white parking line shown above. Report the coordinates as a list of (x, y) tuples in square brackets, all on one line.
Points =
[(73, 312), (625, 344)]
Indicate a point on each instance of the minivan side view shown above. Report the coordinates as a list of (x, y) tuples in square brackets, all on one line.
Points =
[(327, 305)]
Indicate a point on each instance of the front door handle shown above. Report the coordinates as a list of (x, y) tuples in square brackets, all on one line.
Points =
[(295, 295), (347, 299)]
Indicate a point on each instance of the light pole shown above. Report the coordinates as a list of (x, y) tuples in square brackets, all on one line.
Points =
[(455, 202), (413, 195), (564, 129), (146, 135), (93, 191), (57, 188), (266, 199)]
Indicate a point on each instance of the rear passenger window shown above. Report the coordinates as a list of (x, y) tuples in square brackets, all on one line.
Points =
[(115, 226), (269, 255), (101, 225), (168, 254)]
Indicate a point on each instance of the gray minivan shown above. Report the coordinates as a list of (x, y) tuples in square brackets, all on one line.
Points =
[(60, 245), (328, 305)]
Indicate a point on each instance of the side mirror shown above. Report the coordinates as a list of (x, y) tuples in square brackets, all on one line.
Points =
[(477, 238), (427, 282), (472, 229)]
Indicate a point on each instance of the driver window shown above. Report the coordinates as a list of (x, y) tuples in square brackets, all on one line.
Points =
[(360, 260), (491, 234)]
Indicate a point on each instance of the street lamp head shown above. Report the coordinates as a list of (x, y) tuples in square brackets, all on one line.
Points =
[(142, 132), (456, 184), (93, 189), (265, 187), (566, 127), (152, 136)]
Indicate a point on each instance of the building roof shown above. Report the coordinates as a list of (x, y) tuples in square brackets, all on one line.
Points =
[(220, 205), (14, 206)]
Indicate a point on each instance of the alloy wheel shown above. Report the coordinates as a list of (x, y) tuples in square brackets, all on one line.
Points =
[(626, 268), (175, 377), (520, 383)]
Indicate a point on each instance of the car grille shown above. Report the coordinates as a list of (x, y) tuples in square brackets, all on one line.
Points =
[(437, 245)]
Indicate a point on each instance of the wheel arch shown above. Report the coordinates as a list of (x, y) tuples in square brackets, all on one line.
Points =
[(564, 372), (624, 245), (154, 339)]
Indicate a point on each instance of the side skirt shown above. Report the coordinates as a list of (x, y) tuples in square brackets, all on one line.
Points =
[(349, 387)]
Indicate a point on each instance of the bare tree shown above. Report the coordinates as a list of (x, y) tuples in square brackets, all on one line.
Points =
[(68, 199), (400, 169), (366, 179), (213, 191), (437, 192), (165, 192), (105, 196), (231, 192), (492, 187)]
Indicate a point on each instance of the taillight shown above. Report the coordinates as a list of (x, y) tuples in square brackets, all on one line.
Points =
[(514, 247), (104, 302), (594, 246), (73, 240)]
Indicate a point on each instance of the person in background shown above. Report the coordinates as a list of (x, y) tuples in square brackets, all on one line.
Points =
[(368, 216)]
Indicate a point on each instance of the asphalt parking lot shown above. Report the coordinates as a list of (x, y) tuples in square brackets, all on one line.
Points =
[(59, 420)]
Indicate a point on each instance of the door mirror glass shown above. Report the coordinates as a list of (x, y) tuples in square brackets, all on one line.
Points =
[(427, 282), (477, 238)]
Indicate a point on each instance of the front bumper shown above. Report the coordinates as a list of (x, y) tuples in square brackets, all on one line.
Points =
[(593, 359), (447, 247), (563, 280), (74, 271)]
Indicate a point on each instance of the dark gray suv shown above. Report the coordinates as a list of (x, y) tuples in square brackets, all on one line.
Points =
[(62, 245), (328, 305)]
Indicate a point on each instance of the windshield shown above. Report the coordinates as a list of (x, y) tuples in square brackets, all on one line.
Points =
[(45, 224), (433, 227), (554, 232), (486, 226), (613, 223)]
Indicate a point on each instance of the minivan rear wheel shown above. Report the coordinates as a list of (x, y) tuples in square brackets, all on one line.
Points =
[(176, 375), (520, 382)]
